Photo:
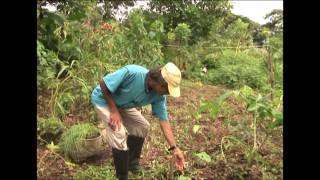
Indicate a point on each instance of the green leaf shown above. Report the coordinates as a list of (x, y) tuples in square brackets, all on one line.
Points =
[(78, 50), (203, 107), (52, 146), (55, 17), (215, 107), (62, 70), (213, 113), (184, 178), (225, 96), (278, 122), (197, 115), (70, 164), (196, 128), (253, 107), (279, 116), (62, 109), (204, 156), (73, 62), (152, 34), (259, 98), (236, 93), (246, 91)]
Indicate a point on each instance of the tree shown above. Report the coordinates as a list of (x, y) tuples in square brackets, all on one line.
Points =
[(77, 9), (255, 29), (238, 34), (108, 6), (197, 14), (276, 20), (182, 33)]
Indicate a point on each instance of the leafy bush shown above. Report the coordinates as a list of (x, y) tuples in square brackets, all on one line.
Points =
[(138, 45), (183, 32), (50, 129), (211, 61), (48, 67), (238, 69), (263, 110)]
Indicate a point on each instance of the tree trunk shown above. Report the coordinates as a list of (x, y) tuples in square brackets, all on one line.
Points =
[(179, 54), (160, 9)]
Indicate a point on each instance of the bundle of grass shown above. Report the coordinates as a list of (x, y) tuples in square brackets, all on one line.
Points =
[(50, 130), (81, 141)]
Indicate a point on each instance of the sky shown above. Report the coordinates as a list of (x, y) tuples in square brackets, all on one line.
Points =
[(254, 10)]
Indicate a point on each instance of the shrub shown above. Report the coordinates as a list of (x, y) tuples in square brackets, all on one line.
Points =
[(50, 129)]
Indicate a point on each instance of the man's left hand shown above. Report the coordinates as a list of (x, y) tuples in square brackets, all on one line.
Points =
[(179, 159)]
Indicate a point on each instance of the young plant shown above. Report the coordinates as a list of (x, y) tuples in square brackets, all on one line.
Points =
[(214, 106), (196, 128), (203, 156), (261, 109)]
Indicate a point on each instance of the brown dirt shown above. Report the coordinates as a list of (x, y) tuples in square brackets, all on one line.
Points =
[(50, 166)]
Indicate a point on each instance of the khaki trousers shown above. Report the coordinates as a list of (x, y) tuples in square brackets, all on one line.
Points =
[(133, 123)]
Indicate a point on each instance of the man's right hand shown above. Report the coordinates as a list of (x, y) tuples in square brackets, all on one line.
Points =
[(115, 117), (115, 120)]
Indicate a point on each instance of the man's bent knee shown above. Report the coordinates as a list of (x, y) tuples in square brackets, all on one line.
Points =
[(142, 131), (117, 139)]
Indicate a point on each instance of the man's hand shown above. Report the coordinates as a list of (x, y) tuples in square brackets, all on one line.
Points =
[(178, 158), (115, 117), (115, 120)]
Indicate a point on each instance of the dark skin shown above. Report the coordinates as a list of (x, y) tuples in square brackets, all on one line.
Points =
[(153, 85), (116, 120)]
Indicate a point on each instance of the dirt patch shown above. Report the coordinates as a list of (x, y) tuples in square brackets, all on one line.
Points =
[(51, 165), (99, 159), (43, 100), (194, 94)]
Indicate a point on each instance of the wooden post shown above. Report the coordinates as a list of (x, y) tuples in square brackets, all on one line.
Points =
[(271, 71), (179, 53), (106, 9)]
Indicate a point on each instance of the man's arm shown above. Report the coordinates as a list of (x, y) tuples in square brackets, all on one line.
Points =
[(167, 131), (115, 118)]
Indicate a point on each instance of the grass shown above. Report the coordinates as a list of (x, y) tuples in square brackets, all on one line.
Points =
[(95, 173), (72, 139)]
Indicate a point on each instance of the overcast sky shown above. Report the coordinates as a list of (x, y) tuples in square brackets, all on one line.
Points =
[(254, 10)]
